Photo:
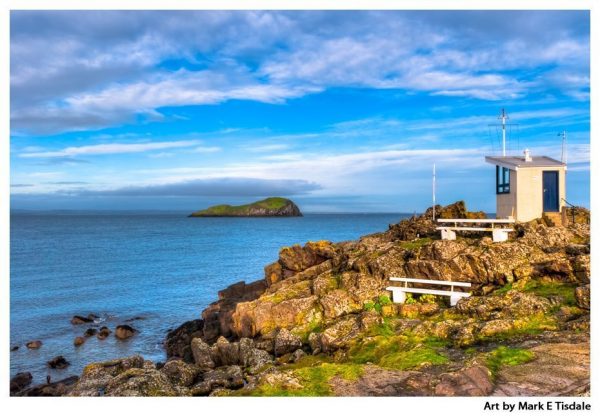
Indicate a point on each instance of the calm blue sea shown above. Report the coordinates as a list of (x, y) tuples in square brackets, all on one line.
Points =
[(164, 268)]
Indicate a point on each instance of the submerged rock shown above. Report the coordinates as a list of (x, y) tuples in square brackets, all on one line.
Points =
[(124, 332), (59, 362), (80, 320), (34, 345), (103, 333), (79, 341)]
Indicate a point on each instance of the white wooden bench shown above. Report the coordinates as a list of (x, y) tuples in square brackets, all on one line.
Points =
[(499, 234), (399, 292)]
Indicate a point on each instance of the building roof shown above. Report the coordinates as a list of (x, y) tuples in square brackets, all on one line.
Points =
[(513, 162)]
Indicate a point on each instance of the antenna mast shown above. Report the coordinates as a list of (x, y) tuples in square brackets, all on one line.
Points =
[(563, 153), (503, 117), (433, 189)]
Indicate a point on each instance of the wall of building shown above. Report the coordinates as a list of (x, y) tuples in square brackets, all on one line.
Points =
[(529, 193), (506, 203)]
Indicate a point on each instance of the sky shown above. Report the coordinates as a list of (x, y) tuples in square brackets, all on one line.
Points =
[(339, 111)]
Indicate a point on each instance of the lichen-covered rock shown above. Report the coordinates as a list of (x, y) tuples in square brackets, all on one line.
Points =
[(286, 342), (340, 334), (142, 382), (251, 358), (96, 376), (338, 303), (511, 304), (201, 352), (582, 296), (230, 377), (180, 373)]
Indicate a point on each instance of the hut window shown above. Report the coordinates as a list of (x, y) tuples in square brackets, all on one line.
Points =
[(502, 180)]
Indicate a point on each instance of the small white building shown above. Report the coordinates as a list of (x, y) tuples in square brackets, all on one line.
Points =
[(529, 186)]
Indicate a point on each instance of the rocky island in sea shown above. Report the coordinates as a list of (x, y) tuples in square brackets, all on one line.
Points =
[(270, 207), (321, 323)]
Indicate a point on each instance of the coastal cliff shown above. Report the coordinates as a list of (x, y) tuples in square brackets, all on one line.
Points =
[(270, 207), (321, 323)]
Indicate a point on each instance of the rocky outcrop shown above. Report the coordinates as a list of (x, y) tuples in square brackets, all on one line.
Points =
[(270, 207), (321, 322), (58, 362)]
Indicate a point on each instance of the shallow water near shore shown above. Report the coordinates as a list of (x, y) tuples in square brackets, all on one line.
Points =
[(153, 272)]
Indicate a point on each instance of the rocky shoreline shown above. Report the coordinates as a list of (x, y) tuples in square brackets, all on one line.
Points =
[(321, 323)]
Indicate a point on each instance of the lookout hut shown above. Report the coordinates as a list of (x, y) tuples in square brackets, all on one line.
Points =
[(529, 187)]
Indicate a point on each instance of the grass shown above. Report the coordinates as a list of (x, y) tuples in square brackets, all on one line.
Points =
[(269, 203), (506, 356), (401, 352), (545, 289), (415, 244), (314, 380)]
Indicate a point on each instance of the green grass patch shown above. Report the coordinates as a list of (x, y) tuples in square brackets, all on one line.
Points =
[(399, 352), (507, 356), (314, 381), (415, 244), (545, 289)]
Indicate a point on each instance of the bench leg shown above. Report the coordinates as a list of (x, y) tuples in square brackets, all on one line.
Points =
[(398, 296), (448, 235), (454, 299), (499, 235)]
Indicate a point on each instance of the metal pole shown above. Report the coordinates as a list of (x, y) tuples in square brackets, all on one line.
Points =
[(503, 117), (433, 190)]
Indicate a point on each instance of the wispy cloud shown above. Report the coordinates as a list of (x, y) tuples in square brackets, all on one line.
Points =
[(113, 148)]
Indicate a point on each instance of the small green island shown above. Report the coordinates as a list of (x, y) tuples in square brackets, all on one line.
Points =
[(270, 207)]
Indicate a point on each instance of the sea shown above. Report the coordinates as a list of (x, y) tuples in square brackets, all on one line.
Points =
[(151, 271)]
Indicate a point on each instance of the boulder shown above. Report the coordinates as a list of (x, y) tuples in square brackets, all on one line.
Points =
[(582, 296), (96, 376), (80, 320), (178, 341), (511, 304), (337, 303), (251, 358), (78, 341), (90, 332), (340, 333), (286, 342), (201, 353), (142, 382), (103, 333), (180, 373), (19, 382), (34, 345), (124, 332), (59, 362), (224, 352), (229, 377)]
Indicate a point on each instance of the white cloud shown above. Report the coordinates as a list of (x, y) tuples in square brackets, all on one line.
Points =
[(113, 148)]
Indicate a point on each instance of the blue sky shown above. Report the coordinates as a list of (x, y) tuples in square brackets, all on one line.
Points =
[(340, 111)]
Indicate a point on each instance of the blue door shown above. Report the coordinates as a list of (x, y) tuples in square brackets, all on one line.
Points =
[(550, 191)]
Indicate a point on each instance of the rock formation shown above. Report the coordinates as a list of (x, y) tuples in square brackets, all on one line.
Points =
[(320, 322)]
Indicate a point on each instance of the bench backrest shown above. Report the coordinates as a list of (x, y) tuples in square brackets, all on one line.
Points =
[(433, 282), (475, 221)]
